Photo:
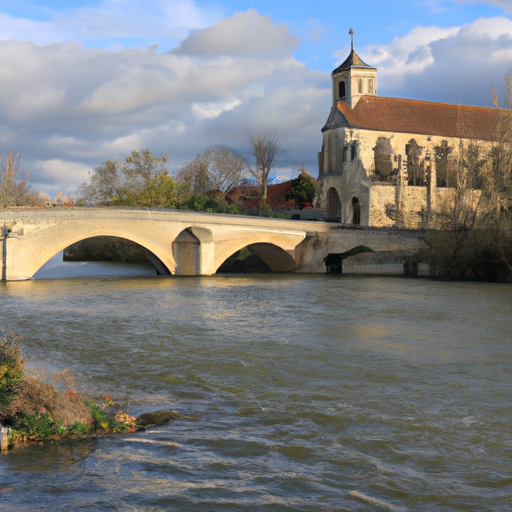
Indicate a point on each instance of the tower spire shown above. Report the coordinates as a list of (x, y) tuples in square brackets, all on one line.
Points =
[(353, 78)]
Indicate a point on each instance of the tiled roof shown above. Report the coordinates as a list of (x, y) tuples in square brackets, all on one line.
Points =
[(353, 60), (422, 117)]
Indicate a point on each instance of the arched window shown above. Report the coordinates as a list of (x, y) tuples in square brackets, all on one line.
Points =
[(415, 165), (356, 211), (341, 89), (442, 152), (333, 206), (353, 151), (383, 153)]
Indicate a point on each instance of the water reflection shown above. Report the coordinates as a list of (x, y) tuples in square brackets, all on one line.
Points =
[(56, 268)]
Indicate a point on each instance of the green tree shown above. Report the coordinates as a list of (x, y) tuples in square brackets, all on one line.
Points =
[(196, 203), (142, 180), (303, 190), (158, 191), (142, 165)]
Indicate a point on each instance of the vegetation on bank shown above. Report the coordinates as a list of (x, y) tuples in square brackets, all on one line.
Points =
[(36, 406), (471, 235)]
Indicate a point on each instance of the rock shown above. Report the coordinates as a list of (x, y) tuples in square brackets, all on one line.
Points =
[(122, 417), (153, 419)]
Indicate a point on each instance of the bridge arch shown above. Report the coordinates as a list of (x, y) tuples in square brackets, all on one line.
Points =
[(277, 252), (269, 258), (112, 248), (52, 243)]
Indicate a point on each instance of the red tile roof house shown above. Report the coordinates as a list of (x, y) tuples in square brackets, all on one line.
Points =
[(389, 161)]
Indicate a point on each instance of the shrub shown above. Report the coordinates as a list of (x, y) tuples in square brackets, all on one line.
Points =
[(39, 396), (40, 404), (79, 428), (12, 370), (102, 421), (38, 426)]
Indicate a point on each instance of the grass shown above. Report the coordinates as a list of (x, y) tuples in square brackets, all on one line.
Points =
[(40, 406)]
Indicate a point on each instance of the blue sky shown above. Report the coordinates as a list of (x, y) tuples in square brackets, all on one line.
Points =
[(88, 80)]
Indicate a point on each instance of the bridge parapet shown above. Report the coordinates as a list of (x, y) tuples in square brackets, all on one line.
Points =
[(183, 243)]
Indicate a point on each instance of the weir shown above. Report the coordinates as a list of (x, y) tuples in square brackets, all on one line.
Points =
[(191, 243)]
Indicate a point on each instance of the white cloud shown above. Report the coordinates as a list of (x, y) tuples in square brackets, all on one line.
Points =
[(506, 5), (39, 32), (405, 55), (213, 110), (146, 20), (129, 18), (244, 34), (56, 174), (64, 106), (440, 6), (67, 108), (453, 65)]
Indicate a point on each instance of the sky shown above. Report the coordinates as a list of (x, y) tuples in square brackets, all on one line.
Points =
[(87, 80)]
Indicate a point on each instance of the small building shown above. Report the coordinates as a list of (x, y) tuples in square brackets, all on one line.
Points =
[(391, 161)]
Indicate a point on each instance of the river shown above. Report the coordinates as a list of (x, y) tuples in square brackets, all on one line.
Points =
[(314, 392)]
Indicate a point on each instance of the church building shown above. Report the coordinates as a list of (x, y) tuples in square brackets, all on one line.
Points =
[(389, 161)]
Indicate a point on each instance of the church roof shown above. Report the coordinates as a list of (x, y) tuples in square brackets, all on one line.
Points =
[(352, 61), (422, 117)]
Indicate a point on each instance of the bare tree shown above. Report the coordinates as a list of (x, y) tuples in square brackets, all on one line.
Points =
[(227, 168), (104, 184), (217, 168), (195, 175), (14, 186), (472, 232), (455, 247), (508, 88), (265, 148)]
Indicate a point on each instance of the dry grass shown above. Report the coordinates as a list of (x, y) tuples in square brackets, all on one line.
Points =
[(39, 395)]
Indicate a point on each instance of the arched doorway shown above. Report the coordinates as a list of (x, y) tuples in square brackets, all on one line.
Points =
[(333, 206), (356, 211)]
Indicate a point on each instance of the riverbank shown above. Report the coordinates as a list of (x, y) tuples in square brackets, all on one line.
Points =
[(36, 407), (10, 439)]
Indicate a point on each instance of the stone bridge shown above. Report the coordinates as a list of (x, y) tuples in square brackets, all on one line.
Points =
[(188, 243)]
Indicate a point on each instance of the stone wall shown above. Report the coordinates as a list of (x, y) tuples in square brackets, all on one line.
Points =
[(399, 179)]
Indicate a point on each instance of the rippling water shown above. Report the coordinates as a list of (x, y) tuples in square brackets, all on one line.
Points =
[(314, 393)]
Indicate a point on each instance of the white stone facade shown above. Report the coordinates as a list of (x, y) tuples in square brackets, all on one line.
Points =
[(390, 162)]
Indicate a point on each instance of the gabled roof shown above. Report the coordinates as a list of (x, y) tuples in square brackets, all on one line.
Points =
[(352, 61), (422, 117)]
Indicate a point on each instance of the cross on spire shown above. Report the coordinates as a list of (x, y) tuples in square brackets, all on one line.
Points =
[(351, 32)]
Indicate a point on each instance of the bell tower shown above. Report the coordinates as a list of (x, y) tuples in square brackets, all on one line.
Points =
[(353, 79)]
